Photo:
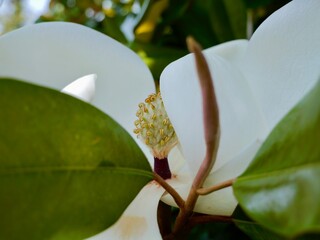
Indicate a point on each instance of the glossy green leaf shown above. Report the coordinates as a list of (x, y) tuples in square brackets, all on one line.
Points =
[(257, 232), (67, 170), (281, 188), (252, 229)]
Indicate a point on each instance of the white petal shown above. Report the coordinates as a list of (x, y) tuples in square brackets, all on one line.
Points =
[(221, 202), (240, 118), (233, 51), (82, 88), (139, 221), (54, 54), (236, 166), (176, 160), (283, 58)]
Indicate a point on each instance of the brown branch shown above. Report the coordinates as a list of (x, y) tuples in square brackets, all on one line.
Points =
[(211, 129), (175, 195), (205, 191), (202, 218)]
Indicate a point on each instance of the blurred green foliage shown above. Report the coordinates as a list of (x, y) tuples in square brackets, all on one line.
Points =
[(12, 17)]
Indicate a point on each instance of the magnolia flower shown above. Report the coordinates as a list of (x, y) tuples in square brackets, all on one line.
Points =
[(257, 82)]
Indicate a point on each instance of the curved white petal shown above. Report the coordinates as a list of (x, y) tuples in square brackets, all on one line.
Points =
[(139, 221), (233, 51), (176, 160), (54, 54), (283, 57), (221, 202), (82, 88), (240, 118)]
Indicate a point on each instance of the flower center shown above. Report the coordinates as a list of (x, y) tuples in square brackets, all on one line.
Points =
[(154, 128)]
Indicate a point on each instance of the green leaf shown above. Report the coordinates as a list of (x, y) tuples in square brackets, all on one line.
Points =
[(111, 27), (255, 231), (258, 3), (67, 170), (252, 229), (237, 13), (228, 19), (178, 22), (157, 58), (281, 188)]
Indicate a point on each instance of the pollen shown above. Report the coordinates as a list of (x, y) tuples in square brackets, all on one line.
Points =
[(154, 128)]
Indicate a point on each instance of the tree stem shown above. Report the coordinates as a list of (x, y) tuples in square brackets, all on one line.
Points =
[(202, 218), (175, 195), (205, 191)]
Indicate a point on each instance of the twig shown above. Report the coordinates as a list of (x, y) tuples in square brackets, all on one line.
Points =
[(200, 219), (175, 195), (205, 191)]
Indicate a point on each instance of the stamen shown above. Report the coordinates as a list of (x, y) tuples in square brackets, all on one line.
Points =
[(154, 127), (161, 131), (136, 122)]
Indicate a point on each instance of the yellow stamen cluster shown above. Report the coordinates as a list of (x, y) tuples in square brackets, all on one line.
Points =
[(154, 128)]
